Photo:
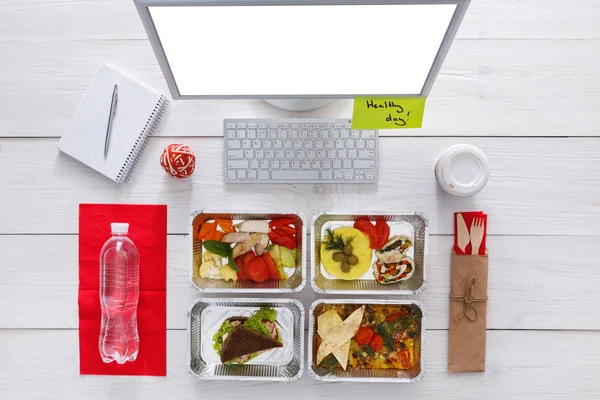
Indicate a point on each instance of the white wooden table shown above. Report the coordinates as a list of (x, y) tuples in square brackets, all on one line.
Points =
[(522, 82)]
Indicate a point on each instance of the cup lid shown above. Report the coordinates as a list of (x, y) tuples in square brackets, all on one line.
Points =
[(463, 170)]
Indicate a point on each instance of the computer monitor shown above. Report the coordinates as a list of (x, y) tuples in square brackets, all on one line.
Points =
[(300, 49)]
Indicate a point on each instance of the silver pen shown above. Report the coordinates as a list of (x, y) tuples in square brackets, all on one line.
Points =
[(111, 117)]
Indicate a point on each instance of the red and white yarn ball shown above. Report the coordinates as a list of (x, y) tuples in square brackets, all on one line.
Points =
[(178, 161)]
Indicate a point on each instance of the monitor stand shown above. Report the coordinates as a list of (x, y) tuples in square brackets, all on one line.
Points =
[(299, 104)]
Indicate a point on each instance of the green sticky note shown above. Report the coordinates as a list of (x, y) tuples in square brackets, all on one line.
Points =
[(388, 112)]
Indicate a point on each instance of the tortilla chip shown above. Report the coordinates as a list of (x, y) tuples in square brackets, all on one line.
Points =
[(329, 321), (340, 335)]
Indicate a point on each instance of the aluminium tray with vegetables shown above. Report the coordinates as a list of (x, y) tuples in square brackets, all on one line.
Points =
[(248, 252), (369, 253)]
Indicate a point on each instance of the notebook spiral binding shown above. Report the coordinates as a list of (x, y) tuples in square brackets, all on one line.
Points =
[(142, 141)]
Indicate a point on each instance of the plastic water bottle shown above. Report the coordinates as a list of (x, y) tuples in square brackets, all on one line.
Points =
[(119, 293)]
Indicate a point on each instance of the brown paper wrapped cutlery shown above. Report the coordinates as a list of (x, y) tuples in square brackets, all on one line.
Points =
[(468, 311)]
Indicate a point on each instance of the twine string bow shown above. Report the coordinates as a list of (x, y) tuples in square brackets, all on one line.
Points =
[(469, 309)]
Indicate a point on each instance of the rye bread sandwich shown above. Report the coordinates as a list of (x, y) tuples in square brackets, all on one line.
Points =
[(241, 339)]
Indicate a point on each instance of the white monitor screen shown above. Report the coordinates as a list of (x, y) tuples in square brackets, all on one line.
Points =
[(320, 50)]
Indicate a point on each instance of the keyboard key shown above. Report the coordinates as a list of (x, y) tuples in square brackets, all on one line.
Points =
[(316, 164), (230, 134), (349, 144), (295, 126), (267, 144), (331, 154), (300, 154), (314, 134), (338, 126), (329, 144), (360, 144), (337, 164), (348, 175), (308, 144), (295, 164), (324, 135), (326, 164), (295, 175), (237, 164), (345, 134), (282, 134), (355, 134), (366, 154), (370, 144), (304, 134), (269, 154), (251, 134), (328, 126), (285, 164), (263, 175), (246, 144), (252, 126), (293, 135), (264, 164), (241, 175), (298, 144), (285, 126), (261, 134), (241, 125), (287, 144), (359, 172), (248, 154), (364, 164), (289, 154), (317, 125), (234, 144), (251, 175), (278, 144), (235, 154), (273, 126), (360, 177), (347, 164), (311, 154), (254, 164), (321, 154), (305, 164), (327, 175), (337, 175), (306, 126), (231, 175), (241, 134), (348, 125), (368, 134), (342, 154), (319, 144), (275, 164), (260, 154), (262, 126), (369, 177), (280, 154), (272, 134), (256, 144), (352, 154), (335, 134), (339, 144), (230, 125)]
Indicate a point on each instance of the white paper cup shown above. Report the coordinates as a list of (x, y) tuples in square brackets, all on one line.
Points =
[(462, 170)]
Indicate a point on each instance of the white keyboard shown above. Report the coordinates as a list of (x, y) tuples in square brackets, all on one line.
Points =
[(302, 150)]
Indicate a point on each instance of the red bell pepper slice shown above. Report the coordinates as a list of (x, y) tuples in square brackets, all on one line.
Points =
[(282, 239)]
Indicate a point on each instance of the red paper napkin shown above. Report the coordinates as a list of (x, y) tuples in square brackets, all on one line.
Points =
[(148, 230), (468, 217)]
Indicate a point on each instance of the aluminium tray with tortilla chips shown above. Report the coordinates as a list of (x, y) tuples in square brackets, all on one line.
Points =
[(413, 225), (296, 277), (285, 363), (409, 342)]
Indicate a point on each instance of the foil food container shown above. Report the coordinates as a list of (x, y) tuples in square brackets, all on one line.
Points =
[(415, 225), (364, 375), (295, 281), (205, 317)]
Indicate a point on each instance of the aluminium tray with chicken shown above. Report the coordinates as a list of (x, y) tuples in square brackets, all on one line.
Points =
[(369, 253), (366, 340), (248, 252), (246, 339)]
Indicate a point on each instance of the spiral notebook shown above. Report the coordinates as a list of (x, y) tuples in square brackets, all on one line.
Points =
[(138, 113)]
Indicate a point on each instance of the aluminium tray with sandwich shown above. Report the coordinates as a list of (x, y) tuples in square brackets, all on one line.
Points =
[(246, 339), (366, 340), (373, 253), (248, 251)]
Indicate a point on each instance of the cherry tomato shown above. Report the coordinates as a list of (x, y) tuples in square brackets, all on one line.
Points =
[(257, 270), (376, 342), (366, 227), (282, 239), (384, 232), (364, 335), (271, 267)]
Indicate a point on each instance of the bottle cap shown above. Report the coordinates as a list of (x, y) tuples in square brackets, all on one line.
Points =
[(119, 227), (462, 170)]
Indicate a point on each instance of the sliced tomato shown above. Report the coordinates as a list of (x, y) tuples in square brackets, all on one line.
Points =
[(271, 267), (257, 270), (377, 342), (239, 262), (364, 335), (282, 239), (280, 222), (286, 229), (384, 232), (404, 357), (366, 227)]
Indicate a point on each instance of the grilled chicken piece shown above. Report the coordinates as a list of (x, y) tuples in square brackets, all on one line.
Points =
[(261, 246), (236, 237), (257, 226), (244, 247)]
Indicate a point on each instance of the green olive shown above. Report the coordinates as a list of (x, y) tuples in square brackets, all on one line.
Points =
[(345, 266), (352, 259), (339, 256), (348, 249)]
